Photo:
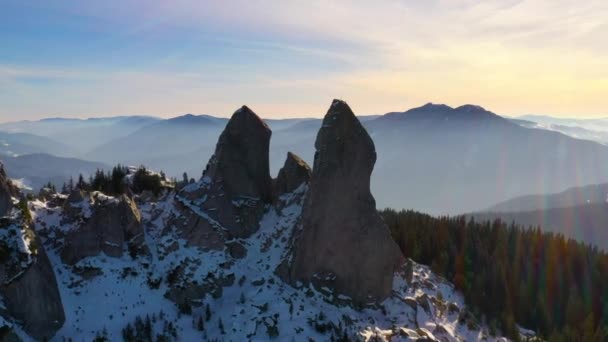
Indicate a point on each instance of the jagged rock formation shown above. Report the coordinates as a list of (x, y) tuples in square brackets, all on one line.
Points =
[(229, 200), (109, 224), (32, 297), (294, 172), (240, 161), (231, 288), (7, 190), (343, 243), (28, 288)]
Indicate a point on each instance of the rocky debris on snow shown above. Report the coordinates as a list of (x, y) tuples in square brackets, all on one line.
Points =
[(343, 242), (108, 225), (74, 204), (192, 294)]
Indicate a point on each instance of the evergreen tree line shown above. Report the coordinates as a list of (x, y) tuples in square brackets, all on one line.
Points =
[(113, 182), (510, 275)]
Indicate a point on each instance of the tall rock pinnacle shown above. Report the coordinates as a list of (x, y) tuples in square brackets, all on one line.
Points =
[(241, 156), (229, 200), (343, 242)]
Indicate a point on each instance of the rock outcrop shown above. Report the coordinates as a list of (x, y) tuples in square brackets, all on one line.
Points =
[(33, 298), (240, 162), (343, 242), (7, 191), (108, 225), (229, 200), (294, 173), (28, 287)]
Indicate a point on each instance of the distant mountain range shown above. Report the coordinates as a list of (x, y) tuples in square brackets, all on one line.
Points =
[(80, 135), (591, 194), (434, 158), (580, 213), (587, 129), (36, 170)]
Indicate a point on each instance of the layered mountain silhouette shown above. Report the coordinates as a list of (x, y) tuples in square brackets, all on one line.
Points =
[(433, 158), (236, 255), (579, 213), (450, 160)]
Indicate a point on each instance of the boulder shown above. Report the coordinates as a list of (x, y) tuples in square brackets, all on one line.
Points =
[(113, 223), (229, 200), (342, 237), (294, 173)]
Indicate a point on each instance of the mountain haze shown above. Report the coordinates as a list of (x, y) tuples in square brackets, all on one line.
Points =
[(433, 158)]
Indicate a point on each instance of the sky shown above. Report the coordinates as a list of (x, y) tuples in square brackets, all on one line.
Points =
[(291, 58)]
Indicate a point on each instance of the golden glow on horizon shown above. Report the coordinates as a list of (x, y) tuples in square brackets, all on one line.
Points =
[(289, 59)]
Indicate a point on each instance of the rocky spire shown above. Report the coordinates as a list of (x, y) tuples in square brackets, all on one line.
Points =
[(241, 161), (294, 173), (28, 288), (228, 202), (343, 242)]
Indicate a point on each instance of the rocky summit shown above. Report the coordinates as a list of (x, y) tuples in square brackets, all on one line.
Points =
[(343, 242), (293, 174), (240, 162), (235, 186)]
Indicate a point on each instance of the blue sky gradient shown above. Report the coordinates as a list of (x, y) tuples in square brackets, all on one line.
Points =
[(285, 59)]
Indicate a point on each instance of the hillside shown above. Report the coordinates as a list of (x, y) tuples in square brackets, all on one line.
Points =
[(584, 222), (36, 170), (224, 258), (81, 135), (16, 144), (575, 196), (453, 160)]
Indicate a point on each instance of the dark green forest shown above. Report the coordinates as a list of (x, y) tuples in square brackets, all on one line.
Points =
[(113, 182), (513, 275)]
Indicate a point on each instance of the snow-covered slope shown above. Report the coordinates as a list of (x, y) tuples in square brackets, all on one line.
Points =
[(236, 297)]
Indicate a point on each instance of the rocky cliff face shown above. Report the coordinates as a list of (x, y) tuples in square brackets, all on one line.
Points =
[(229, 200), (343, 242), (106, 225), (32, 297), (240, 162), (7, 190), (28, 287)]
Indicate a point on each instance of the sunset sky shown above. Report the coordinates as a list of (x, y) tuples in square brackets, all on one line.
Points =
[(290, 58)]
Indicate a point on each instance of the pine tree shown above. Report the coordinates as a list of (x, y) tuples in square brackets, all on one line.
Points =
[(207, 313), (82, 185), (148, 328), (200, 324), (221, 326)]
